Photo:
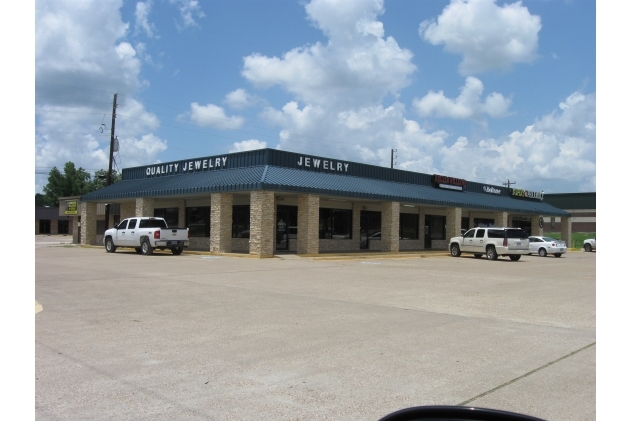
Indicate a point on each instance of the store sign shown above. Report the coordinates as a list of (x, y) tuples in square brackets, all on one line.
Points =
[(492, 190), (325, 164), (450, 183), (71, 207), (196, 165), (527, 193)]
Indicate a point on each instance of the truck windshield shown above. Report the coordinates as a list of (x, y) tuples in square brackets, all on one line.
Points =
[(152, 223)]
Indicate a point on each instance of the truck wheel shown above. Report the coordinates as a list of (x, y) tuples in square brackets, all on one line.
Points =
[(557, 254), (543, 252), (515, 257), (177, 250), (455, 250), (146, 248), (109, 245), (477, 255), (588, 247), (491, 254)]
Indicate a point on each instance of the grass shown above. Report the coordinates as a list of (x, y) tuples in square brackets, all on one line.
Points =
[(577, 237)]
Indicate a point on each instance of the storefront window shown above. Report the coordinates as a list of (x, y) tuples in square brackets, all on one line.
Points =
[(336, 223), (198, 221), (241, 221), (437, 229), (483, 222), (408, 226), (170, 215)]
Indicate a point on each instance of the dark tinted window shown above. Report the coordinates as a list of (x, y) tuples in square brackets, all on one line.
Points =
[(479, 234), (198, 221), (469, 234), (497, 234), (408, 226), (516, 233), (171, 215), (152, 223), (132, 224), (241, 221), (335, 223), (123, 225)]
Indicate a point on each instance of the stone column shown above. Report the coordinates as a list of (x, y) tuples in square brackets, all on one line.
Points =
[(453, 222), (535, 229), (88, 223), (501, 219), (356, 230), (128, 210), (421, 226), (144, 206), (566, 231), (390, 217), (221, 222), (181, 213), (262, 223), (308, 218)]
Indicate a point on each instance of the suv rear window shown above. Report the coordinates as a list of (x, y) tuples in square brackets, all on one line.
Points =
[(516, 233), (496, 233)]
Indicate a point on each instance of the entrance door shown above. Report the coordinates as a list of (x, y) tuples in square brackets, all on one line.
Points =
[(282, 229)]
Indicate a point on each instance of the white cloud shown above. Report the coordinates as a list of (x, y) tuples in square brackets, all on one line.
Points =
[(488, 36), (189, 11), (142, 18), (559, 148), (240, 98), (248, 145), (358, 66), (468, 105), (213, 116), (80, 46)]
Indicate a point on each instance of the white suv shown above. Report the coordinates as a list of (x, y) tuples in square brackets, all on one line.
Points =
[(492, 241)]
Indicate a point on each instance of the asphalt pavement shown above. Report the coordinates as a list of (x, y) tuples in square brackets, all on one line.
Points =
[(129, 337)]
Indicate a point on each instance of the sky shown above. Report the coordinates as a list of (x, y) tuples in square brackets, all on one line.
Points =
[(489, 91)]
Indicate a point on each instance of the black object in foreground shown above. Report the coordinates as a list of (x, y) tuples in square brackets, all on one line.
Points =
[(455, 413)]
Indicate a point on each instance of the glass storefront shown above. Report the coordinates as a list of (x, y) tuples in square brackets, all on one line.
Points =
[(198, 221), (408, 226), (336, 223), (170, 215), (286, 226), (241, 221)]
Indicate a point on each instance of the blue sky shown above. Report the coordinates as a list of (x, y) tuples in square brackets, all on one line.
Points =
[(483, 90)]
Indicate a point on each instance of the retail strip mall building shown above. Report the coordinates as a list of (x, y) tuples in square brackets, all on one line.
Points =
[(265, 201)]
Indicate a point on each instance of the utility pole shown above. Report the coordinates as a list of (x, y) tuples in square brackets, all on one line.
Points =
[(508, 183), (392, 151), (108, 177)]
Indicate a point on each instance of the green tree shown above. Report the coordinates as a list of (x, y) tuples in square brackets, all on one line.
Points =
[(73, 182), (100, 179), (39, 200)]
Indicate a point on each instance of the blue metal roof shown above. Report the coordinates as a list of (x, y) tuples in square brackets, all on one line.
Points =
[(300, 181)]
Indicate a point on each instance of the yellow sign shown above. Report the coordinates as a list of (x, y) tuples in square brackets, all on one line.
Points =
[(71, 207)]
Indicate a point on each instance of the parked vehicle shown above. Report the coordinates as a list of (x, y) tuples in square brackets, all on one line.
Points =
[(547, 245), (589, 244), (145, 234), (492, 242)]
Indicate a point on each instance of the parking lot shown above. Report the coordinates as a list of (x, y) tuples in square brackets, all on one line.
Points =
[(128, 337)]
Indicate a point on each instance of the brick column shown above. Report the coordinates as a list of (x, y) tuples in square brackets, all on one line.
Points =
[(501, 219), (453, 222), (181, 213), (421, 226), (262, 223), (308, 229), (88, 223), (221, 222), (566, 231), (534, 225), (390, 217), (144, 206), (128, 210), (356, 232)]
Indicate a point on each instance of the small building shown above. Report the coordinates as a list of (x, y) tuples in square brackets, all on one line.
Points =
[(69, 208), (581, 206), (49, 221), (267, 201)]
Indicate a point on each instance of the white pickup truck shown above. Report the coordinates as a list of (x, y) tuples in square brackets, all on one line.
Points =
[(145, 234)]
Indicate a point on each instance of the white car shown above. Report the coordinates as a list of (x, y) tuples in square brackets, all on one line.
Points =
[(547, 245), (589, 244)]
